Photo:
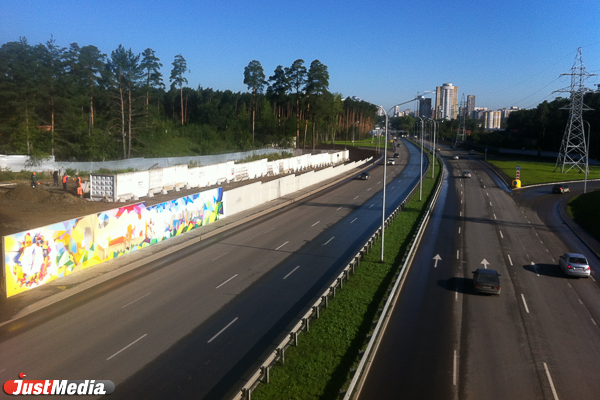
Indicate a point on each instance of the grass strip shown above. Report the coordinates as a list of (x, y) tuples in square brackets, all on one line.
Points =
[(584, 210), (539, 172), (320, 366)]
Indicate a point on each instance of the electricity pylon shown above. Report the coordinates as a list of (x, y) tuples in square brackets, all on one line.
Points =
[(574, 148), (462, 122)]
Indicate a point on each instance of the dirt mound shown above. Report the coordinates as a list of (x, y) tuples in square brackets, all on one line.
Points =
[(26, 193)]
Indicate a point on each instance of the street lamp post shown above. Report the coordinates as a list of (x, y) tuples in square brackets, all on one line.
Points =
[(385, 175), (587, 157), (421, 173)]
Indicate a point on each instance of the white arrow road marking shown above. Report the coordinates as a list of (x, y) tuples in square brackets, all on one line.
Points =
[(485, 263), (436, 258)]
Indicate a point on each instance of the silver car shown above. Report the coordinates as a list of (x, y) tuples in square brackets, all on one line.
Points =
[(574, 264)]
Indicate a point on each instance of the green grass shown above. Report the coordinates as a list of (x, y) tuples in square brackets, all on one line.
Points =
[(363, 143), (584, 210), (539, 172), (320, 366)]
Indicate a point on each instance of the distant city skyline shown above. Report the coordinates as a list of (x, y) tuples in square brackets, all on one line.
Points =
[(510, 54)]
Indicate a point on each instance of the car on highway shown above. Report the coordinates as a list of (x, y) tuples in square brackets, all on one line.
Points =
[(391, 161), (396, 155), (472, 152), (486, 281), (364, 176), (455, 157), (466, 174), (560, 189), (574, 264)]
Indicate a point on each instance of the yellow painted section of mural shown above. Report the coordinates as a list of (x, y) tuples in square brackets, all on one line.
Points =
[(38, 256)]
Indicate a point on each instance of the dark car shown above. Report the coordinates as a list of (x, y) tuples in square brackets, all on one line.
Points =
[(560, 189), (486, 281), (364, 176), (396, 155)]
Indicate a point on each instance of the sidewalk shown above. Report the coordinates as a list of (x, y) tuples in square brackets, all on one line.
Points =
[(36, 299)]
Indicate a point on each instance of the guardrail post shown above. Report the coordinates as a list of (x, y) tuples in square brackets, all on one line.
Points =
[(317, 311), (265, 371), (295, 337), (334, 291), (281, 355), (247, 393), (306, 324), (341, 283), (326, 300)]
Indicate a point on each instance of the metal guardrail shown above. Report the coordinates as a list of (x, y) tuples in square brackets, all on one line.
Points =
[(262, 373)]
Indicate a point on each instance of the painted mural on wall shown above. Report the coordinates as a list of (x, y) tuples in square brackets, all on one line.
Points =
[(41, 255)]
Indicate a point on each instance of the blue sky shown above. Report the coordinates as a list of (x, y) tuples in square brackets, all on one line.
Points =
[(506, 53)]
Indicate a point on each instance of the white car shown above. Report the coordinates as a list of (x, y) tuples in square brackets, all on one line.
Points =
[(455, 157), (574, 264), (391, 161)]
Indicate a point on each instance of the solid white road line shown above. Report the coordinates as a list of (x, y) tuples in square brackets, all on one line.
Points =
[(525, 303), (128, 304), (226, 281), (593, 322), (223, 254), (128, 346), (510, 259), (353, 220), (315, 224), (551, 383), (455, 374), (222, 330), (592, 278), (501, 235), (327, 242), (580, 302), (294, 270), (282, 245)]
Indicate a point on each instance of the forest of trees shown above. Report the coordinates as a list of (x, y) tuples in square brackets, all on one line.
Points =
[(78, 103)]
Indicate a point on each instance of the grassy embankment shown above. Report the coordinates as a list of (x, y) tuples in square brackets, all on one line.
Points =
[(583, 208), (320, 366)]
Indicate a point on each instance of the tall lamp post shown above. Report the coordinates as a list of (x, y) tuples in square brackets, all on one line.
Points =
[(434, 147), (385, 174), (421, 173)]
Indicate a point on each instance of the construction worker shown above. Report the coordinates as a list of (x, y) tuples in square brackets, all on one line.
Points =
[(79, 187), (34, 180), (65, 179)]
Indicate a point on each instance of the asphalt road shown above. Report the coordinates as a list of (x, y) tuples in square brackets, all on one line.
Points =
[(538, 340), (196, 323)]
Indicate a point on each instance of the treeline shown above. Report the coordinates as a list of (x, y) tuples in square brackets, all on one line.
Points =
[(78, 103), (543, 127)]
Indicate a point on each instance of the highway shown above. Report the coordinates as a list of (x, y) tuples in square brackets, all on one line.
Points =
[(539, 339), (196, 323)]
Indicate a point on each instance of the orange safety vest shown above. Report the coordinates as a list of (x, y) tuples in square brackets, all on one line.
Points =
[(64, 179), (79, 181)]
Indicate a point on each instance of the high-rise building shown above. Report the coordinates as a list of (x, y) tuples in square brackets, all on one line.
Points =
[(424, 107), (446, 101), (470, 105)]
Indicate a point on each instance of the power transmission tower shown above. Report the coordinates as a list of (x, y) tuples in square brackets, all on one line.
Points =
[(462, 119), (574, 148)]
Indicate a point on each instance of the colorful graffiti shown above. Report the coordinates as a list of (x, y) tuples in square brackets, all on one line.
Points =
[(41, 255)]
